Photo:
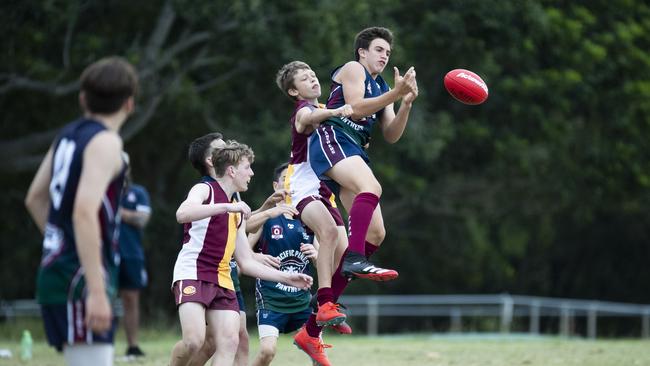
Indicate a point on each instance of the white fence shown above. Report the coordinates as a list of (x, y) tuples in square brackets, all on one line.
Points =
[(503, 306)]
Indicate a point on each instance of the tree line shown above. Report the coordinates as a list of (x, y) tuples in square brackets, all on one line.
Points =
[(542, 190)]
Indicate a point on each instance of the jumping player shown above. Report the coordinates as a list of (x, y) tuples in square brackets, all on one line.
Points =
[(337, 152), (314, 202), (214, 230), (74, 201)]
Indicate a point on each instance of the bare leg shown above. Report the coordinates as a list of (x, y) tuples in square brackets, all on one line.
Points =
[(225, 325), (241, 357), (206, 352), (131, 303), (316, 216), (267, 351), (192, 317)]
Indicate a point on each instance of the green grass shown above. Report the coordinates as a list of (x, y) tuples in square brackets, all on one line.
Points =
[(386, 350)]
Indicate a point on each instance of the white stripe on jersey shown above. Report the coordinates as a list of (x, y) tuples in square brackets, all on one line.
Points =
[(303, 182), (186, 267)]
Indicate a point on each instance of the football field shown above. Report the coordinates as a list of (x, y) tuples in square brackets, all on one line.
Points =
[(401, 350)]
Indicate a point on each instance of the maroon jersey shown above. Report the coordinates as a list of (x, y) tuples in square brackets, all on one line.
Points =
[(208, 244)]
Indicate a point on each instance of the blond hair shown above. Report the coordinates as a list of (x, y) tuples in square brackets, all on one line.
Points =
[(231, 154)]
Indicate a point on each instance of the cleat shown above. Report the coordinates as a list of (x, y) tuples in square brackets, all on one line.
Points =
[(343, 328), (312, 346), (134, 351), (328, 315), (356, 265)]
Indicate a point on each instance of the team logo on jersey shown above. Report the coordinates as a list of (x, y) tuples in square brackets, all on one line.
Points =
[(276, 232), (290, 226), (369, 88), (189, 290), (293, 261), (305, 237)]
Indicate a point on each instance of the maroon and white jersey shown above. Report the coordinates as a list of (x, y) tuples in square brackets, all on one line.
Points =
[(208, 244), (301, 181)]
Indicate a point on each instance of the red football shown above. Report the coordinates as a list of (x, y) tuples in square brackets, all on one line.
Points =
[(466, 86)]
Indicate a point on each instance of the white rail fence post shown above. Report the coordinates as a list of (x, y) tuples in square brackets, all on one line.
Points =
[(592, 318), (534, 317), (507, 306), (373, 316)]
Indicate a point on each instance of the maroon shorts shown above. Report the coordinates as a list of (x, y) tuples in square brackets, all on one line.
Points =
[(336, 215), (211, 295)]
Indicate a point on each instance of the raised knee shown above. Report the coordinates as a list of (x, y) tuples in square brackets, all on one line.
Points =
[(376, 234), (328, 236), (377, 189)]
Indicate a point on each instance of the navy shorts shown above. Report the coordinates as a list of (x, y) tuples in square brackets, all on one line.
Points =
[(133, 274), (64, 324), (328, 146), (285, 323)]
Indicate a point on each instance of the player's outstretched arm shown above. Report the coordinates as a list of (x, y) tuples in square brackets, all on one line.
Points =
[(392, 125), (265, 259), (270, 202), (37, 200), (257, 220), (250, 267), (353, 75), (308, 119), (193, 209), (103, 162)]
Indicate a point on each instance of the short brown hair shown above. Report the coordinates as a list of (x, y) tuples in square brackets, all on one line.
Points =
[(366, 36), (200, 149), (231, 154), (284, 77), (107, 84)]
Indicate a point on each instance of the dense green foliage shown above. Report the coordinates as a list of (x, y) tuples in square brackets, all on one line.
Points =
[(543, 190)]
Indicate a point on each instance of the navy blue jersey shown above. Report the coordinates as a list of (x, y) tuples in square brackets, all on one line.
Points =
[(281, 238), (358, 130), (135, 198), (60, 278)]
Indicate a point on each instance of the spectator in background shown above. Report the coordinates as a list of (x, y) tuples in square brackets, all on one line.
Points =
[(135, 211)]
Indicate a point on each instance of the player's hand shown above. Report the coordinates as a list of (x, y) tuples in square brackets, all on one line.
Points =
[(98, 312), (309, 251), (282, 209), (267, 260), (403, 84), (300, 280), (344, 111), (408, 99), (277, 196), (242, 208)]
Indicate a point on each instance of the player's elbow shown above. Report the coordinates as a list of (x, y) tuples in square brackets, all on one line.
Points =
[(30, 202), (392, 140), (34, 199), (182, 217), (245, 267)]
